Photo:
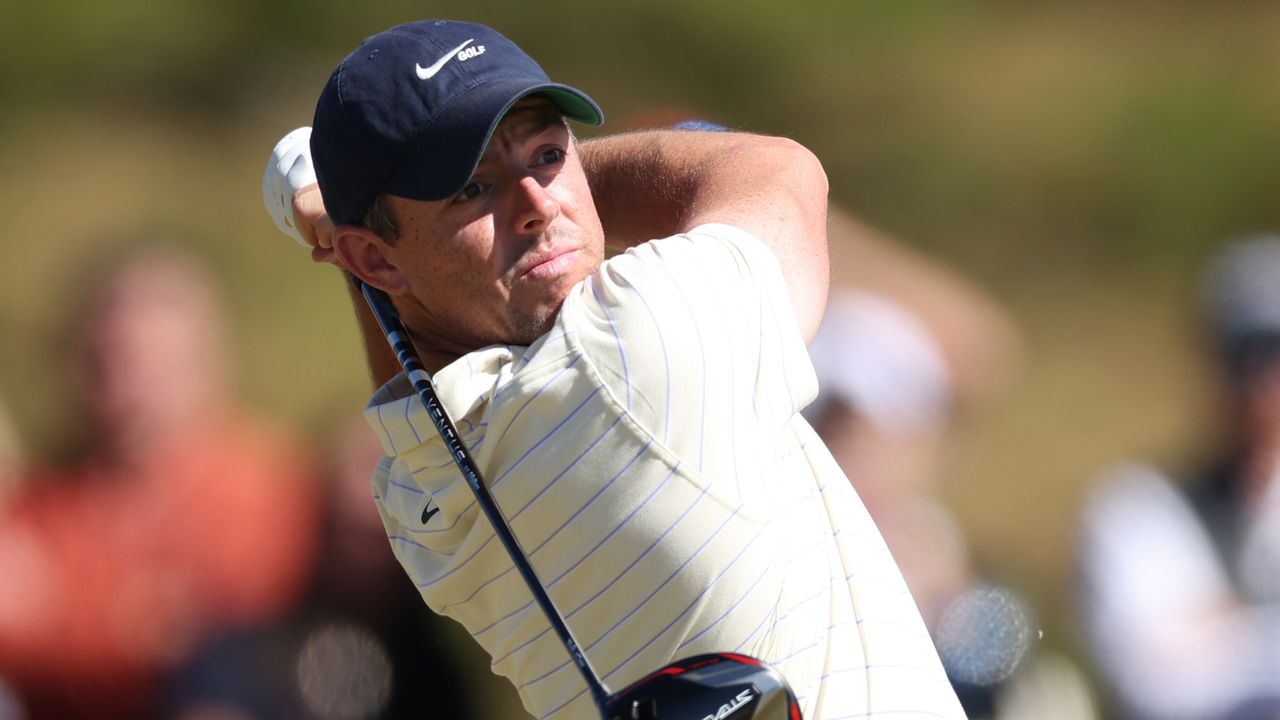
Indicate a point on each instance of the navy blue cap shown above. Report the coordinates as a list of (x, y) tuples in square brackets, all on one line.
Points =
[(410, 112)]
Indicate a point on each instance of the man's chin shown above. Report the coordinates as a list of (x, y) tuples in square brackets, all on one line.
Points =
[(530, 326), (534, 321), (529, 334)]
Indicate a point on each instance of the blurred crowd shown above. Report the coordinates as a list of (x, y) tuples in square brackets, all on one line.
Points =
[(1177, 582), (187, 556)]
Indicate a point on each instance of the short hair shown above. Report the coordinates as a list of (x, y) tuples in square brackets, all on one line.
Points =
[(379, 220)]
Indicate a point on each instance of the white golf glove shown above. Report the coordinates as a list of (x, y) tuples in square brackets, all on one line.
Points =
[(288, 171)]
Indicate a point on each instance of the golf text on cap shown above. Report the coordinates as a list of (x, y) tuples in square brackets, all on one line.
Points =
[(462, 52), (380, 127)]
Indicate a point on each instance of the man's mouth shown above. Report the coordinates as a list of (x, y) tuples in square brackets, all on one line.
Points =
[(549, 265)]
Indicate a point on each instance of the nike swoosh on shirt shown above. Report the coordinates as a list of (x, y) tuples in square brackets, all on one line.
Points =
[(426, 73)]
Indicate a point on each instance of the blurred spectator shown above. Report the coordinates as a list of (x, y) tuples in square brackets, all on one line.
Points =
[(178, 514), (907, 352), (1180, 577), (887, 409), (884, 409), (361, 646)]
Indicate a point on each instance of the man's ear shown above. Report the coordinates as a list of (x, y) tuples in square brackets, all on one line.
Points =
[(365, 255)]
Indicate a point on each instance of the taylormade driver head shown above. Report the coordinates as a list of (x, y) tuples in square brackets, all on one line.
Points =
[(718, 686)]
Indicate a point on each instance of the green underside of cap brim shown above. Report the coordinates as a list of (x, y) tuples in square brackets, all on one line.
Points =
[(574, 106)]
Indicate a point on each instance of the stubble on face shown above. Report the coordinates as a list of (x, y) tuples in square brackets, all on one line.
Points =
[(529, 322)]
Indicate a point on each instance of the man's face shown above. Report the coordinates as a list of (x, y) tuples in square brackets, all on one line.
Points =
[(494, 263)]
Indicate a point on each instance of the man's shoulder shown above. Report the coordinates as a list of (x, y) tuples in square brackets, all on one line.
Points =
[(716, 248), (711, 233)]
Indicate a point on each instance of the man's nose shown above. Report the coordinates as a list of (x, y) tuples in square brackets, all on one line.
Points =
[(534, 207)]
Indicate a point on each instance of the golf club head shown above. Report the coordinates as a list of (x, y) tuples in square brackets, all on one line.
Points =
[(717, 686)]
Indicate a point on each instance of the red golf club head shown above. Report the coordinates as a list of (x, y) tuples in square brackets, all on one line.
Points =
[(717, 686)]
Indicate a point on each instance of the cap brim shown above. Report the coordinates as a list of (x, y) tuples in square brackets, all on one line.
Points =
[(450, 150)]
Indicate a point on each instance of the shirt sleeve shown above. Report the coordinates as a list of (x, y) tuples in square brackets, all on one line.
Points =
[(696, 337)]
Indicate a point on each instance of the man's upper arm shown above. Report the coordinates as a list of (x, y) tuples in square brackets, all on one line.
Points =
[(655, 184), (778, 193)]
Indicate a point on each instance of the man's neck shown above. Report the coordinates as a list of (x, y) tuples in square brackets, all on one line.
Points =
[(433, 360)]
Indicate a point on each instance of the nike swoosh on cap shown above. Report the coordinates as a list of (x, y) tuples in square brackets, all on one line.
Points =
[(426, 73)]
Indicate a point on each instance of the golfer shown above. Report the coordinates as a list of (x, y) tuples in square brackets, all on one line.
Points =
[(618, 329)]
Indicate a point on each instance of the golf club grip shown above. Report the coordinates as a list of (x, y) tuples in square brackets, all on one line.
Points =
[(398, 338)]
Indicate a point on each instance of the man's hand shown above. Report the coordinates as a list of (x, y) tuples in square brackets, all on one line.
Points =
[(313, 224), (292, 197)]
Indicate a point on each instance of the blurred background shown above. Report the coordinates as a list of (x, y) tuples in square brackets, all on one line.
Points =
[(1078, 162)]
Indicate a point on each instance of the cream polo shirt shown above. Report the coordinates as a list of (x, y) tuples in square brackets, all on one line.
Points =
[(650, 456)]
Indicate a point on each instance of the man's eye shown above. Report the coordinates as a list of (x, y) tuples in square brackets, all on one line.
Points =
[(470, 192), (551, 156)]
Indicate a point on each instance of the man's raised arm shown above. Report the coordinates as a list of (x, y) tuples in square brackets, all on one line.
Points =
[(657, 183), (654, 184)]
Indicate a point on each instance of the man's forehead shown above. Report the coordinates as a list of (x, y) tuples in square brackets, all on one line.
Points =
[(531, 114)]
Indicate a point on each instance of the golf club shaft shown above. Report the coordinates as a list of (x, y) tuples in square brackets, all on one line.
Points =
[(398, 338)]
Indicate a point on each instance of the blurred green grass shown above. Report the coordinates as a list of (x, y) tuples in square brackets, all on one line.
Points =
[(1077, 160)]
